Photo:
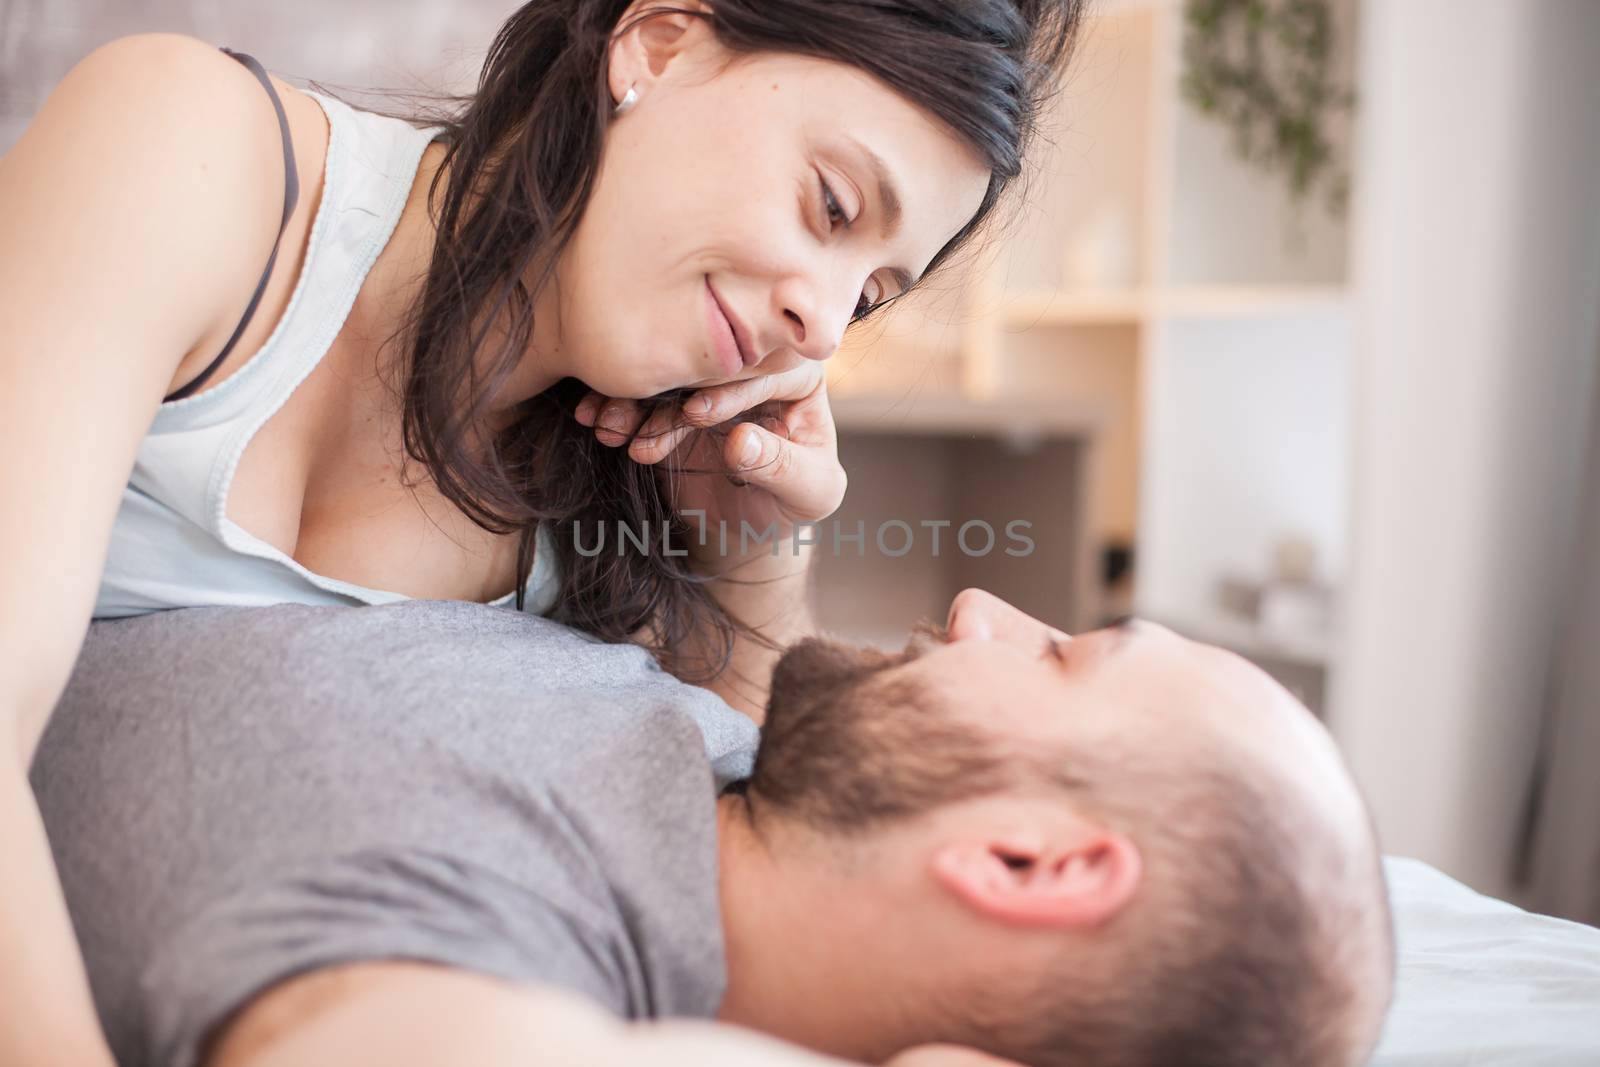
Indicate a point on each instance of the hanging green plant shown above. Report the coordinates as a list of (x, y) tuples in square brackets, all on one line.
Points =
[(1265, 68)]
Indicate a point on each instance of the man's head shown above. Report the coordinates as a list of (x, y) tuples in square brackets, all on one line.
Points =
[(1121, 847)]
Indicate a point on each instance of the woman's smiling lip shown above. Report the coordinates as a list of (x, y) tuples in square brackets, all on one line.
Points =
[(728, 334)]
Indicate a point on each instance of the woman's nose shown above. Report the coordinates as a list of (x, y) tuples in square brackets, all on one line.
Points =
[(809, 342), (813, 327)]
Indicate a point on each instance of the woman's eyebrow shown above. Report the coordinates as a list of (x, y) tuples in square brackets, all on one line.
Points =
[(888, 191), (888, 200)]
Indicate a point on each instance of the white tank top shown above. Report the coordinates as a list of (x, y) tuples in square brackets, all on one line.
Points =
[(173, 545)]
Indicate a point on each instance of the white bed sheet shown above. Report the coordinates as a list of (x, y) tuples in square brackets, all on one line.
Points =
[(1482, 982)]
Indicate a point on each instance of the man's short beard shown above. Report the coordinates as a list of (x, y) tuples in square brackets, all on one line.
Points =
[(851, 741)]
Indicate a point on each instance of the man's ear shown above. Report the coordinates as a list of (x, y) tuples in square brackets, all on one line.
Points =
[(1081, 879), (639, 56)]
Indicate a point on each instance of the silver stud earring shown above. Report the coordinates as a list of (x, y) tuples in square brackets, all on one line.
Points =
[(627, 101)]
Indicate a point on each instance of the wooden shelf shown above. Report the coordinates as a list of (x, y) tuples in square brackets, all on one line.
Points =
[(1233, 301), (953, 413), (1068, 307)]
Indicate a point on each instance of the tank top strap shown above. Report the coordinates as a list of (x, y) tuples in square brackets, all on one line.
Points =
[(291, 194)]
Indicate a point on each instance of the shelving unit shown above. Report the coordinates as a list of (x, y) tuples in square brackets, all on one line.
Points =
[(1155, 278), (1083, 307)]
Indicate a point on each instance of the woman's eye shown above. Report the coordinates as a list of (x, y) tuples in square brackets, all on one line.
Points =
[(835, 212), (831, 207)]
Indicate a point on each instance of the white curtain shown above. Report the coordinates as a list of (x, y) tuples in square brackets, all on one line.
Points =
[(1475, 255), (1561, 858)]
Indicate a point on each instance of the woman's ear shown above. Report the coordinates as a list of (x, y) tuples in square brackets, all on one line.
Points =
[(1076, 881), (640, 55)]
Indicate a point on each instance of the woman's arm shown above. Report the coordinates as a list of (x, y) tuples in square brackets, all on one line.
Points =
[(49, 1017), (395, 1014), (771, 592), (136, 211), (398, 1014), (768, 476)]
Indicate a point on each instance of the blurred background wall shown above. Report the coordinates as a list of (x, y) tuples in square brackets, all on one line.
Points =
[(1477, 258), (1292, 346), (390, 44)]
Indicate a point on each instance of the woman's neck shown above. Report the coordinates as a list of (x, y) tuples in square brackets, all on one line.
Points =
[(395, 282)]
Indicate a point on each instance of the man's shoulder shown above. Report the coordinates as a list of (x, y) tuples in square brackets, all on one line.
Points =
[(339, 911)]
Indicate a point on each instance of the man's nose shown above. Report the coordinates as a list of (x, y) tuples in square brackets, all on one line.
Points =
[(976, 614)]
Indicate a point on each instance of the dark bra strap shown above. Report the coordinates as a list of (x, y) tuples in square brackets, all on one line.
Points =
[(291, 193)]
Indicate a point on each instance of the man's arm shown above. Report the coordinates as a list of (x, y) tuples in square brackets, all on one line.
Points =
[(394, 1014)]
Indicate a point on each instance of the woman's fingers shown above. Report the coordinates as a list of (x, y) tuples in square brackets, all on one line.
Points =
[(721, 403), (588, 409), (652, 434), (786, 451), (808, 481), (658, 438), (617, 419), (712, 405)]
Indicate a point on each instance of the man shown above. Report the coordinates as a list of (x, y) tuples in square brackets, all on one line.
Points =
[(438, 833)]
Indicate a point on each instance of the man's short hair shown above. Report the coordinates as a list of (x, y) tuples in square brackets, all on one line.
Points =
[(1238, 955), (1246, 944)]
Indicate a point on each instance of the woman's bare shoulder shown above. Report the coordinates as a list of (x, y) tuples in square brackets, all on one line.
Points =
[(157, 68), (199, 154), (167, 83)]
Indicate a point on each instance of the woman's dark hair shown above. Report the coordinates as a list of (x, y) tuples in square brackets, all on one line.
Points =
[(522, 155)]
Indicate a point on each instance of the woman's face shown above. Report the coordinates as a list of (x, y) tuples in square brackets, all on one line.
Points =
[(710, 203)]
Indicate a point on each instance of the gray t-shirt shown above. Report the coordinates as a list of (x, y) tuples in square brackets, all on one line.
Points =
[(238, 795)]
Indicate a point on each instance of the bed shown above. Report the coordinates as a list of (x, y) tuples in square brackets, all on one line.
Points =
[(1482, 982)]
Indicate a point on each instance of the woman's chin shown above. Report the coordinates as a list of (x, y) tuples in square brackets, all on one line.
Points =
[(639, 383)]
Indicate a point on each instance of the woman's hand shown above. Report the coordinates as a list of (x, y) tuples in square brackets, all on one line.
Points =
[(760, 454), (776, 467)]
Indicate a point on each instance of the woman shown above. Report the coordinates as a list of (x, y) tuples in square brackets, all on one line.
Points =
[(650, 221)]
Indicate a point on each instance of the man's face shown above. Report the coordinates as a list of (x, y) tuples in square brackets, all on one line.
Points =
[(1135, 679), (1069, 816), (1003, 682)]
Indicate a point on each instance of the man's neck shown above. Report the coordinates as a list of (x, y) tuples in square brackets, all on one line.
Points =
[(800, 940)]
